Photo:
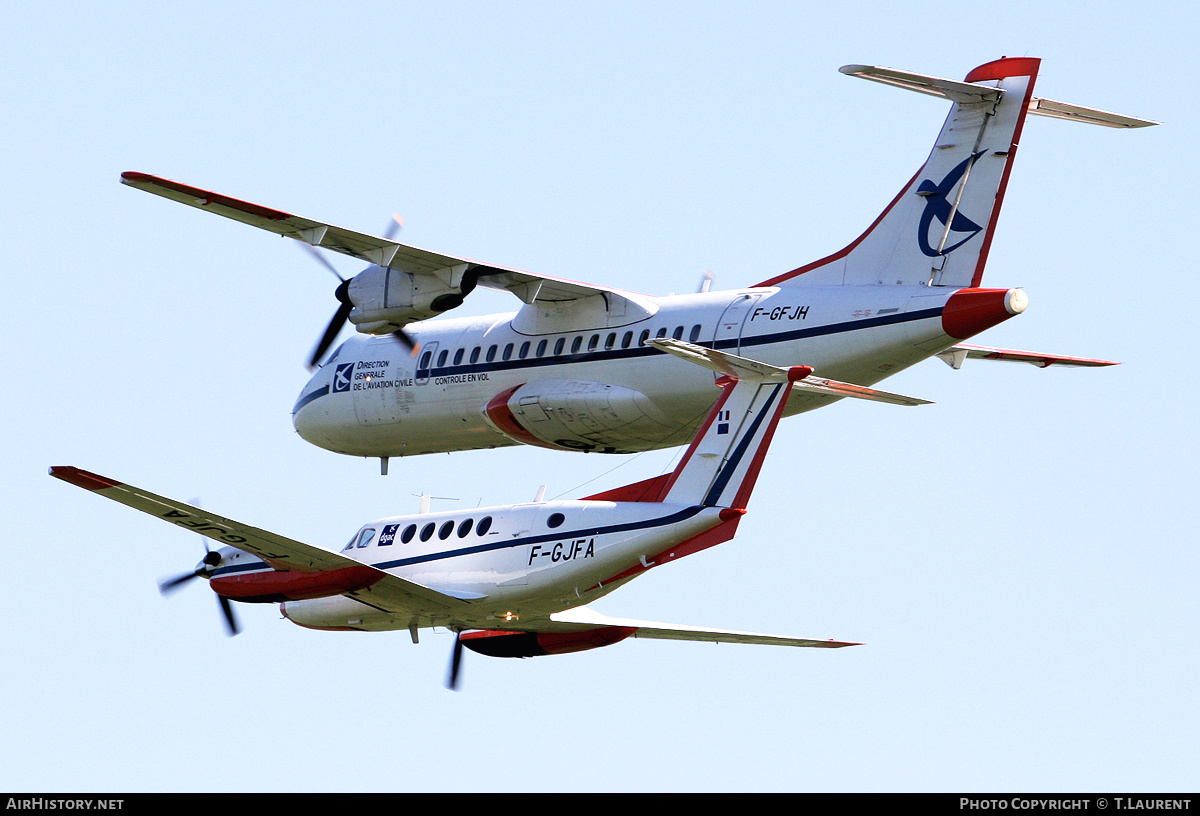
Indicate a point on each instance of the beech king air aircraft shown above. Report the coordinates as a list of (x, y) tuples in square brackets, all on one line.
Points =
[(571, 370), (511, 581)]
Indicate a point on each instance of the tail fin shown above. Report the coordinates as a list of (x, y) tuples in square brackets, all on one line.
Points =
[(937, 231), (721, 465)]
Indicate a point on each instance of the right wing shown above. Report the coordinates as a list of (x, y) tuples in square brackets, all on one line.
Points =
[(280, 552), (572, 618), (530, 288)]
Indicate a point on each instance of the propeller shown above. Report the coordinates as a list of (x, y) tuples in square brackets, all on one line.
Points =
[(345, 305), (203, 570), (455, 663)]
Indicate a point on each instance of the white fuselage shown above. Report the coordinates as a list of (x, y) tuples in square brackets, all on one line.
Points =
[(531, 560), (612, 394)]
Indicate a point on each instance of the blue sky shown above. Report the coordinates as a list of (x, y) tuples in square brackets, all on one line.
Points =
[(1018, 558)]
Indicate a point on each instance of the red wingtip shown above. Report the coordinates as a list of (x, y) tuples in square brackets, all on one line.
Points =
[(82, 478)]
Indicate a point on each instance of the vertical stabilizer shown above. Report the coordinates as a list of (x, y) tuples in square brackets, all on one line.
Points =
[(937, 231), (721, 465)]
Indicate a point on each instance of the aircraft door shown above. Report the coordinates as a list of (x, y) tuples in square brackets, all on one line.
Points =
[(425, 362), (728, 336)]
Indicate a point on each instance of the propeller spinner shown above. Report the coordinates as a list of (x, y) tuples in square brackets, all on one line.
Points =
[(345, 305), (204, 570)]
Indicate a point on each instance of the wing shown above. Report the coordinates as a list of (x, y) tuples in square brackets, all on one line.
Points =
[(573, 619), (528, 287), (954, 357), (280, 552)]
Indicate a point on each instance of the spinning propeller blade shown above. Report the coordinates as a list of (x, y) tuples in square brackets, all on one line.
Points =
[(342, 293), (204, 570), (455, 663)]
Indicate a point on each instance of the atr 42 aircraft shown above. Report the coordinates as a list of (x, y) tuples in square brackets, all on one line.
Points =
[(571, 370), (511, 581)]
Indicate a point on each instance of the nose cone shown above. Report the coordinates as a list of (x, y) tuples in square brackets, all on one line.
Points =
[(309, 415), (970, 311)]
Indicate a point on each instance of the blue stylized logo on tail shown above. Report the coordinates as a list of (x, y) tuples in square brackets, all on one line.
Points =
[(938, 206)]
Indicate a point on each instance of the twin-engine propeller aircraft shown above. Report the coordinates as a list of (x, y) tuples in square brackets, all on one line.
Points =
[(571, 370), (512, 581)]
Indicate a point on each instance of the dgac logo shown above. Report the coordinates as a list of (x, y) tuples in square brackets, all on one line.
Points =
[(936, 206), (341, 377)]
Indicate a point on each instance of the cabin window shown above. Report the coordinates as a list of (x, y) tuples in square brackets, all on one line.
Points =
[(558, 345), (491, 353), (364, 538), (575, 344), (442, 358), (427, 531), (541, 349), (507, 351), (483, 526), (610, 341), (446, 530), (695, 335), (627, 339), (475, 355), (524, 352), (661, 332), (407, 535), (593, 342), (425, 358), (678, 334), (464, 528), (555, 520), (645, 335), (458, 355)]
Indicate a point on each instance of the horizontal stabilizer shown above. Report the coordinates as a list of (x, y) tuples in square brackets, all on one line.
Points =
[(725, 363), (955, 356), (664, 631), (952, 89), (957, 91), (1090, 116)]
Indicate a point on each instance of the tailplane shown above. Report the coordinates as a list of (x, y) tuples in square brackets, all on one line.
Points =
[(721, 465), (938, 230)]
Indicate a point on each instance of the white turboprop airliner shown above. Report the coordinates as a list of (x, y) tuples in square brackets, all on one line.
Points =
[(511, 581), (571, 370)]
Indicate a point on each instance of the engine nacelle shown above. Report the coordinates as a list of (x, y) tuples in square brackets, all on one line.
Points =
[(581, 416), (497, 643), (273, 586), (389, 299)]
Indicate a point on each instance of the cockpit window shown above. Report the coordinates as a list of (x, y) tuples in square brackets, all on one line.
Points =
[(333, 356), (364, 538)]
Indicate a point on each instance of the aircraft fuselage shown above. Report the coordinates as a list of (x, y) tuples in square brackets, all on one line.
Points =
[(599, 389)]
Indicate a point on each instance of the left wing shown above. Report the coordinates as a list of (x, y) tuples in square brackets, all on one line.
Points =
[(450, 269), (582, 615), (280, 552)]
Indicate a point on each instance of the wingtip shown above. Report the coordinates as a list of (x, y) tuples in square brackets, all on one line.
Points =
[(81, 478)]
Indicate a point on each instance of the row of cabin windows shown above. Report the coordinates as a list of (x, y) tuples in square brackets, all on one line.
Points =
[(577, 345), (443, 532)]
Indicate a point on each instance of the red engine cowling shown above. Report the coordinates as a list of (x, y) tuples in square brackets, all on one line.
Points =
[(497, 643), (274, 586)]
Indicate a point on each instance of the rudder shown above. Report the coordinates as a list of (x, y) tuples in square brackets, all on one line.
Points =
[(938, 230)]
